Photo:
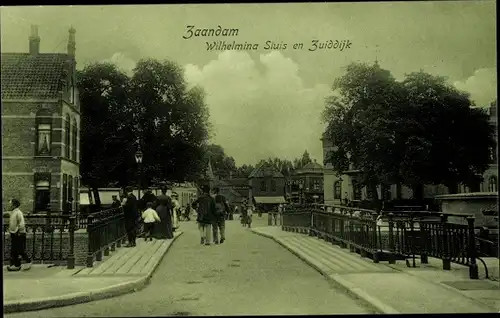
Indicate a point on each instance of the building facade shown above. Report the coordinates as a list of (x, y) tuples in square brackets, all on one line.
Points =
[(267, 186), (40, 127), (308, 183)]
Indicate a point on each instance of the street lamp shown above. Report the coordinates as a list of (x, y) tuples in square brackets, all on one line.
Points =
[(301, 187), (138, 159)]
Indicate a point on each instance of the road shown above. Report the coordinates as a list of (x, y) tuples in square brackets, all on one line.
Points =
[(247, 275)]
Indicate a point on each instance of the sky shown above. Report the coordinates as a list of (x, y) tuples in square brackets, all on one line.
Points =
[(264, 102)]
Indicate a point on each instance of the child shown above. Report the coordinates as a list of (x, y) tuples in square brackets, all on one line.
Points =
[(249, 215), (17, 229), (149, 217)]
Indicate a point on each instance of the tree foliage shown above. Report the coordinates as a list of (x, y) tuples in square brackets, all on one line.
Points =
[(154, 108), (418, 131)]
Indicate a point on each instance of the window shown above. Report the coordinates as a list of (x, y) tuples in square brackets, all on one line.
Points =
[(68, 137), (369, 193), (70, 188), (42, 192), (316, 185), (337, 190), (43, 142), (75, 140), (356, 191), (492, 184), (44, 139), (273, 185), (263, 187)]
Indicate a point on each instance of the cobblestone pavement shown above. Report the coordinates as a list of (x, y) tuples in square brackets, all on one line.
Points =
[(247, 275)]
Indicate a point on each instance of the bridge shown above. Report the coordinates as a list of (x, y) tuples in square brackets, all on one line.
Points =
[(312, 262)]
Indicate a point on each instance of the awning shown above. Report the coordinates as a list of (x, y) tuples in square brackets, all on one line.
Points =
[(269, 200)]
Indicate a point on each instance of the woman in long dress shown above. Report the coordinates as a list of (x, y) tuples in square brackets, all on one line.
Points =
[(164, 209)]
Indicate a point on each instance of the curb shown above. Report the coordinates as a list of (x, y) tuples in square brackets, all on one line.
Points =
[(337, 281), (448, 288), (86, 296)]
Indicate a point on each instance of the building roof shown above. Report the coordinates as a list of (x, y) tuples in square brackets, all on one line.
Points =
[(238, 181), (37, 76), (265, 170), (312, 167)]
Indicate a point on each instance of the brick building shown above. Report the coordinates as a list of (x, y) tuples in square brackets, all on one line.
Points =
[(40, 127), (267, 186), (310, 178)]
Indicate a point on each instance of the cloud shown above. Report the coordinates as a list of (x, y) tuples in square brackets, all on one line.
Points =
[(261, 108), (124, 63), (482, 86)]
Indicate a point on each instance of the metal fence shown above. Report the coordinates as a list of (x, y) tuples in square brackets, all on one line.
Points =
[(106, 232), (390, 236), (48, 239)]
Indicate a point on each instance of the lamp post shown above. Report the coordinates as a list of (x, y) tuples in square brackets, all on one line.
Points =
[(301, 194), (138, 159)]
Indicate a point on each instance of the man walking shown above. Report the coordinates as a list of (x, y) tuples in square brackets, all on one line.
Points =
[(221, 210), (17, 229), (131, 216), (205, 208)]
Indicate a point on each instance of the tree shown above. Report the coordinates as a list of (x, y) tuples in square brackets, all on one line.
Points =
[(401, 131), (171, 121), (222, 164), (244, 171), (104, 126), (154, 108)]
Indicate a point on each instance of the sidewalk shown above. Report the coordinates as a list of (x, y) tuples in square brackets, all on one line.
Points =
[(123, 271), (391, 289)]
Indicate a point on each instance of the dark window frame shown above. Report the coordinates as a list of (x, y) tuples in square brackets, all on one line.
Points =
[(273, 186), (337, 190), (263, 186), (43, 118), (67, 137), (44, 177), (74, 136)]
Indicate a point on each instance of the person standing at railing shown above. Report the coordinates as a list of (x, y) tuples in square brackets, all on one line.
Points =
[(149, 217), (67, 210), (278, 216), (248, 217), (17, 230), (131, 216), (175, 213)]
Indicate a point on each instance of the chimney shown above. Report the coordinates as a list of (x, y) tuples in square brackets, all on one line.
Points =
[(34, 40), (71, 42)]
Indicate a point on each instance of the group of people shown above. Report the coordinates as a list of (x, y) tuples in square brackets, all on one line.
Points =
[(159, 214), (212, 210)]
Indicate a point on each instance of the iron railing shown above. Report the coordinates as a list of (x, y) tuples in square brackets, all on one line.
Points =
[(106, 232), (390, 236), (48, 239)]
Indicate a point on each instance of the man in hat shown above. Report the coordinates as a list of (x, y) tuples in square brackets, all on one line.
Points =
[(205, 208)]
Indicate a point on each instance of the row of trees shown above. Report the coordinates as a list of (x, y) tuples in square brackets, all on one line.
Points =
[(153, 108), (417, 131), (224, 165)]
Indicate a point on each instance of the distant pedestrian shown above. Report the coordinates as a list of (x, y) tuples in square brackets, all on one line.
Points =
[(205, 208), (149, 217), (221, 210), (131, 216), (250, 209), (243, 215), (17, 230)]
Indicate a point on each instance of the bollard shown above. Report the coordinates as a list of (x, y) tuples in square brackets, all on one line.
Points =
[(473, 269), (445, 245)]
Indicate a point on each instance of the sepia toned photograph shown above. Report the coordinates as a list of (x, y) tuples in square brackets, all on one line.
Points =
[(328, 158)]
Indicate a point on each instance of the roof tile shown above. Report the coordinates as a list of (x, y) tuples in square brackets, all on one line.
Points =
[(25, 75)]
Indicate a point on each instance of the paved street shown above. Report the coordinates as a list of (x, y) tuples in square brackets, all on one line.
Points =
[(246, 275)]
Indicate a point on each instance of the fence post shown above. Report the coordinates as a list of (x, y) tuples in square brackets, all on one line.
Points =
[(392, 249), (424, 238), (350, 233), (71, 233), (91, 238), (375, 247), (311, 226), (473, 270), (445, 246)]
